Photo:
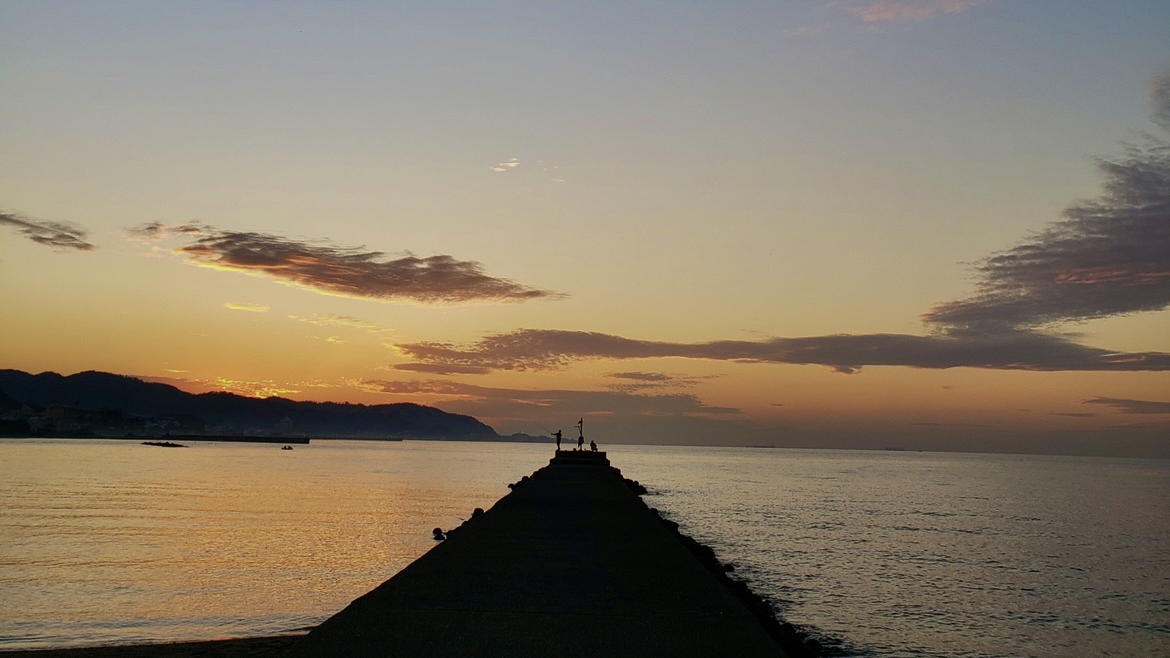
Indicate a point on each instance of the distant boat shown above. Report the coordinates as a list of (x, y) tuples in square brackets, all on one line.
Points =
[(163, 444), (286, 448)]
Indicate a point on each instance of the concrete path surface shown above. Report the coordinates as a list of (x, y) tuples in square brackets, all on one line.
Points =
[(571, 563)]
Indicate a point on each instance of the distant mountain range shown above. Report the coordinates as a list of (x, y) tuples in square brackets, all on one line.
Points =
[(100, 403)]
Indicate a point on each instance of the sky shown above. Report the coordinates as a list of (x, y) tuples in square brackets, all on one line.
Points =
[(927, 224)]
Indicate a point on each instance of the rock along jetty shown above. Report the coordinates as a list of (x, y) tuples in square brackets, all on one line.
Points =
[(571, 563)]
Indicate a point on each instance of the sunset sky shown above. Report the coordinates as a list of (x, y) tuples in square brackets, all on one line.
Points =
[(842, 223)]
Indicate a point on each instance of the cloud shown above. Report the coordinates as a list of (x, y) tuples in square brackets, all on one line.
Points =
[(636, 381), (254, 308), (641, 376), (971, 425), (1109, 256), (1133, 406), (1160, 100), (1072, 414), (506, 165), (491, 402), (901, 11), (442, 369), (263, 388), (156, 231), (346, 271), (544, 349), (57, 235), (333, 319), (1106, 257)]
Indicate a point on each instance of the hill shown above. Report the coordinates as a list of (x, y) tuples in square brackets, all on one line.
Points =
[(104, 403)]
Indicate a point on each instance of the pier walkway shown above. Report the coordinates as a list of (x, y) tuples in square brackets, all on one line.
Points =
[(571, 563)]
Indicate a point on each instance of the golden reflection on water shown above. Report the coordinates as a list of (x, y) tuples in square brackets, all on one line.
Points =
[(113, 541)]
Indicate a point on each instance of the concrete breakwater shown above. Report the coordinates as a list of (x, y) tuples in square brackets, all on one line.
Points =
[(570, 563)]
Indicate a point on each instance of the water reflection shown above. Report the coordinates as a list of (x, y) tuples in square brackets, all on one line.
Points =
[(900, 554), (113, 541)]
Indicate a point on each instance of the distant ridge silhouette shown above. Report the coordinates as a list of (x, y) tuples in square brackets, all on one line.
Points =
[(104, 400)]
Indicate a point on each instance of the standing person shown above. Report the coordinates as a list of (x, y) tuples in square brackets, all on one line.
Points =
[(580, 441), (580, 433), (557, 434)]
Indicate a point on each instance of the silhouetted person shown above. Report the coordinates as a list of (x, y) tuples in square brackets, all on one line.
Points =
[(580, 433), (557, 434), (593, 446), (580, 441)]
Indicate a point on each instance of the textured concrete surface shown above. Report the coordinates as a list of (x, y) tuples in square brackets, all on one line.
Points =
[(571, 563)]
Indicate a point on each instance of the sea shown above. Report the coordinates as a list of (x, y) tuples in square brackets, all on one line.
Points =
[(877, 553)]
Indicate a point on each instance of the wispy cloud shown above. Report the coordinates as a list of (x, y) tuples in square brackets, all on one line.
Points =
[(58, 235), (653, 377), (542, 404), (967, 425), (635, 381), (442, 368), (346, 271), (1133, 406), (263, 388), (506, 165), (1160, 100), (901, 11), (254, 308), (333, 319)]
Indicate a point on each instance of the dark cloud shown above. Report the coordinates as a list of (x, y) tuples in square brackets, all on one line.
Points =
[(348, 271), (442, 368), (521, 404), (1109, 256), (541, 349), (1072, 414), (51, 234), (1133, 406)]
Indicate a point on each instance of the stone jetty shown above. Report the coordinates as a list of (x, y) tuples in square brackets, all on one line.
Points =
[(570, 563)]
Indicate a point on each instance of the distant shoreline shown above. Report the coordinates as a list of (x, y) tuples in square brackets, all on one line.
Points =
[(225, 438), (529, 440)]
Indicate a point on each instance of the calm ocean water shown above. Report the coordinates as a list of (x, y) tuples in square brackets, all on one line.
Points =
[(894, 554)]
